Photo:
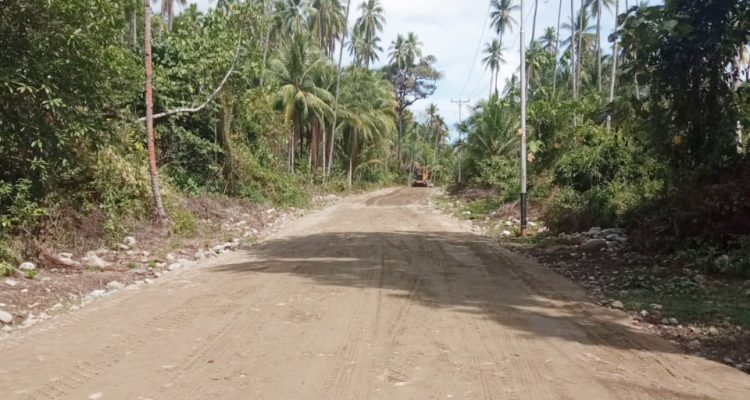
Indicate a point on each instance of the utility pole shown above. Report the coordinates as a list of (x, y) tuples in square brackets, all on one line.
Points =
[(460, 120), (524, 218)]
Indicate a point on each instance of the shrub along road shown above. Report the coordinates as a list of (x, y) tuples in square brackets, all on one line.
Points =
[(377, 297)]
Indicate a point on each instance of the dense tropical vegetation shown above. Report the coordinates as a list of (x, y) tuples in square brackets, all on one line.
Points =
[(650, 134), (251, 100)]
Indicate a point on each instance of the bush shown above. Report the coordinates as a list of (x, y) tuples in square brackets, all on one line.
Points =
[(501, 173)]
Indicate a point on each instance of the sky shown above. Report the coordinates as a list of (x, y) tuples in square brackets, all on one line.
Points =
[(455, 32)]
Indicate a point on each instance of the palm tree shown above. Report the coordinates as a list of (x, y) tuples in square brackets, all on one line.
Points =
[(364, 50), (328, 22), (596, 9), (168, 10), (413, 48), (397, 53), (295, 69), (548, 39), (437, 128), (583, 40), (492, 60), (291, 17), (369, 24), (500, 16), (367, 113)]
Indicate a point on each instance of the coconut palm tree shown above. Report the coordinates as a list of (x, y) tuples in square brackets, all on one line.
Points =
[(597, 6), (500, 16), (364, 50), (367, 112), (296, 69), (369, 24), (397, 52), (493, 58), (583, 40), (291, 17), (548, 39), (413, 48), (168, 10), (327, 22)]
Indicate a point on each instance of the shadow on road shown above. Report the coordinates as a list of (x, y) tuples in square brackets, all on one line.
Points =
[(458, 271)]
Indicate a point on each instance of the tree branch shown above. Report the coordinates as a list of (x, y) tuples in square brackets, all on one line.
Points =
[(194, 109)]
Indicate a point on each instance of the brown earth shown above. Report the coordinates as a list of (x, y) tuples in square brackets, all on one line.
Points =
[(377, 297)]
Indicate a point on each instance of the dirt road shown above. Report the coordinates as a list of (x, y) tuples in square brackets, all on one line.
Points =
[(378, 297)]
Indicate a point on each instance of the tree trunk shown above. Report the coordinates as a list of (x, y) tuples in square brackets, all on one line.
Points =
[(134, 25), (338, 85), (325, 146), (159, 212), (350, 172), (614, 70), (557, 49), (598, 46), (224, 129), (580, 49), (314, 141), (400, 135), (573, 49)]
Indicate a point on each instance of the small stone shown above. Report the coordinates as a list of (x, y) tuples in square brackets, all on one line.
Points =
[(664, 321), (694, 345), (728, 360), (94, 261), (644, 313), (657, 307), (700, 278), (65, 255), (56, 307), (96, 294), (123, 247), (129, 241), (506, 233), (617, 304), (171, 257), (712, 331), (6, 317), (11, 282), (174, 266), (673, 321), (115, 286), (593, 245), (199, 255), (27, 266), (747, 292), (595, 231)]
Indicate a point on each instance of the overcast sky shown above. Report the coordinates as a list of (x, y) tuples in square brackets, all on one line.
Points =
[(453, 30)]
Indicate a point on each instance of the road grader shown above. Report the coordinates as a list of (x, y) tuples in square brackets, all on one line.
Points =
[(422, 177)]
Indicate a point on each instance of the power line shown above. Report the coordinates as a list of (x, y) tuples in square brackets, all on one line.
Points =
[(479, 46)]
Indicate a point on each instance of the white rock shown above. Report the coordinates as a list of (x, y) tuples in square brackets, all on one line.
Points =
[(617, 304), (65, 255), (129, 241), (506, 233), (6, 317), (123, 247), (56, 307), (171, 257), (174, 266), (532, 224), (96, 396), (115, 286), (217, 248), (11, 282), (594, 244), (673, 321), (644, 313), (694, 345), (94, 261), (595, 231), (712, 331), (199, 255), (95, 294), (27, 266), (656, 307)]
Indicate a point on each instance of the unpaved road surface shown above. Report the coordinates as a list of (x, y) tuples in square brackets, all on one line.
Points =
[(378, 297)]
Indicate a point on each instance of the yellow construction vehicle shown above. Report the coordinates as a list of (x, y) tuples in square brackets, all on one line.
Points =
[(421, 176)]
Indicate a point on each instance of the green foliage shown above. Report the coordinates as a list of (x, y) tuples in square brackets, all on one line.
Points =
[(31, 274), (7, 269)]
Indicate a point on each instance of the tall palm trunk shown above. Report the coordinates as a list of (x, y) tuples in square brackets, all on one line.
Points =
[(580, 47), (557, 49), (159, 212), (352, 149), (134, 25), (533, 38), (598, 45), (573, 49), (338, 86), (614, 70), (266, 43)]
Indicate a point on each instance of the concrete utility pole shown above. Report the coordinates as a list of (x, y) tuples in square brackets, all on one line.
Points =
[(460, 120), (524, 218)]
